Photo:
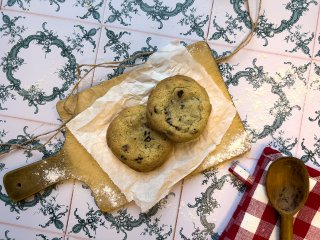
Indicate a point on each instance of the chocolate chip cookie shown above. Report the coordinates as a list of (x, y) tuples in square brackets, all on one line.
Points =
[(178, 107), (133, 142)]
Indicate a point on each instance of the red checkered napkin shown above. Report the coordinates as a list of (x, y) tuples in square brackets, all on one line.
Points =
[(256, 219)]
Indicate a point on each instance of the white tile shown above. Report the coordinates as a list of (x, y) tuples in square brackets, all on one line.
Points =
[(9, 232), (117, 45), (44, 68), (188, 19), (309, 142), (268, 91), (49, 209), (77, 9), (288, 30), (127, 222), (316, 50), (208, 201)]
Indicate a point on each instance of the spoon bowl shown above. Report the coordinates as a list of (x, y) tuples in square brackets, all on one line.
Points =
[(287, 184)]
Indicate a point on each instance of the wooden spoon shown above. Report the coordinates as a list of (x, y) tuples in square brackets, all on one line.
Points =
[(287, 184)]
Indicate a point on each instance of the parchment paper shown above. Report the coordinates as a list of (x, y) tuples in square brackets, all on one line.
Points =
[(90, 126)]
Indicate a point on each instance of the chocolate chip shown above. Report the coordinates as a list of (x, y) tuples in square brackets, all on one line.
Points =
[(147, 139), (182, 106), (123, 157), (180, 93), (138, 159), (194, 131), (155, 109), (168, 120), (125, 148)]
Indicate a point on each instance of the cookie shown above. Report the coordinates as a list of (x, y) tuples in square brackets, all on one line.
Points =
[(179, 107), (134, 143)]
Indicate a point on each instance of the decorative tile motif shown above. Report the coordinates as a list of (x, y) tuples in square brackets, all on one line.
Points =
[(289, 25), (39, 46), (127, 223), (48, 209), (309, 144), (175, 18), (88, 10), (8, 232), (202, 213), (316, 52), (277, 88), (119, 45)]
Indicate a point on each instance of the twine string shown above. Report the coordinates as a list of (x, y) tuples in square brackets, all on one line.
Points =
[(248, 37), (74, 93)]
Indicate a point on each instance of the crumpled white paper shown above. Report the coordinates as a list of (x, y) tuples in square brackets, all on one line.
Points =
[(90, 126)]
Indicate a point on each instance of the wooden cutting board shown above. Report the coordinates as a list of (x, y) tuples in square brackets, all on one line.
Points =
[(74, 162)]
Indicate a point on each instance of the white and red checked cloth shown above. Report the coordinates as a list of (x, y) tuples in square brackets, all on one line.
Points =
[(256, 219)]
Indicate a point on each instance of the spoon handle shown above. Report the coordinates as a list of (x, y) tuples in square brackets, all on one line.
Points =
[(286, 230)]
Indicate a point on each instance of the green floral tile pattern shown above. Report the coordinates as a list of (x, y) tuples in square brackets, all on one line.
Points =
[(13, 233), (58, 53), (295, 29), (274, 83), (309, 149), (190, 17), (48, 208), (125, 223), (88, 10)]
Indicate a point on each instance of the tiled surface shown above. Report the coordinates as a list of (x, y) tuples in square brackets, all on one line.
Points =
[(274, 82), (91, 11), (289, 25), (10, 232), (158, 222), (52, 76), (47, 210), (187, 18)]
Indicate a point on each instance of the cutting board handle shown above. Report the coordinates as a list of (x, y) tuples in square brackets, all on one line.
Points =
[(28, 180)]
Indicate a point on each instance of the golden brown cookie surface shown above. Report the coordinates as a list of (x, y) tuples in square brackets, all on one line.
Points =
[(133, 142), (179, 107)]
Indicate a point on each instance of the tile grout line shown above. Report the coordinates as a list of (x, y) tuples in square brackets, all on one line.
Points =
[(29, 120), (176, 222), (76, 237), (92, 79), (266, 52), (69, 213), (99, 40), (97, 24), (30, 228), (153, 33), (209, 25), (303, 110), (181, 191), (308, 81), (50, 16)]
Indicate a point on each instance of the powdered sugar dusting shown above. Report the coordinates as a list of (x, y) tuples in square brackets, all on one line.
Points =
[(52, 175)]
